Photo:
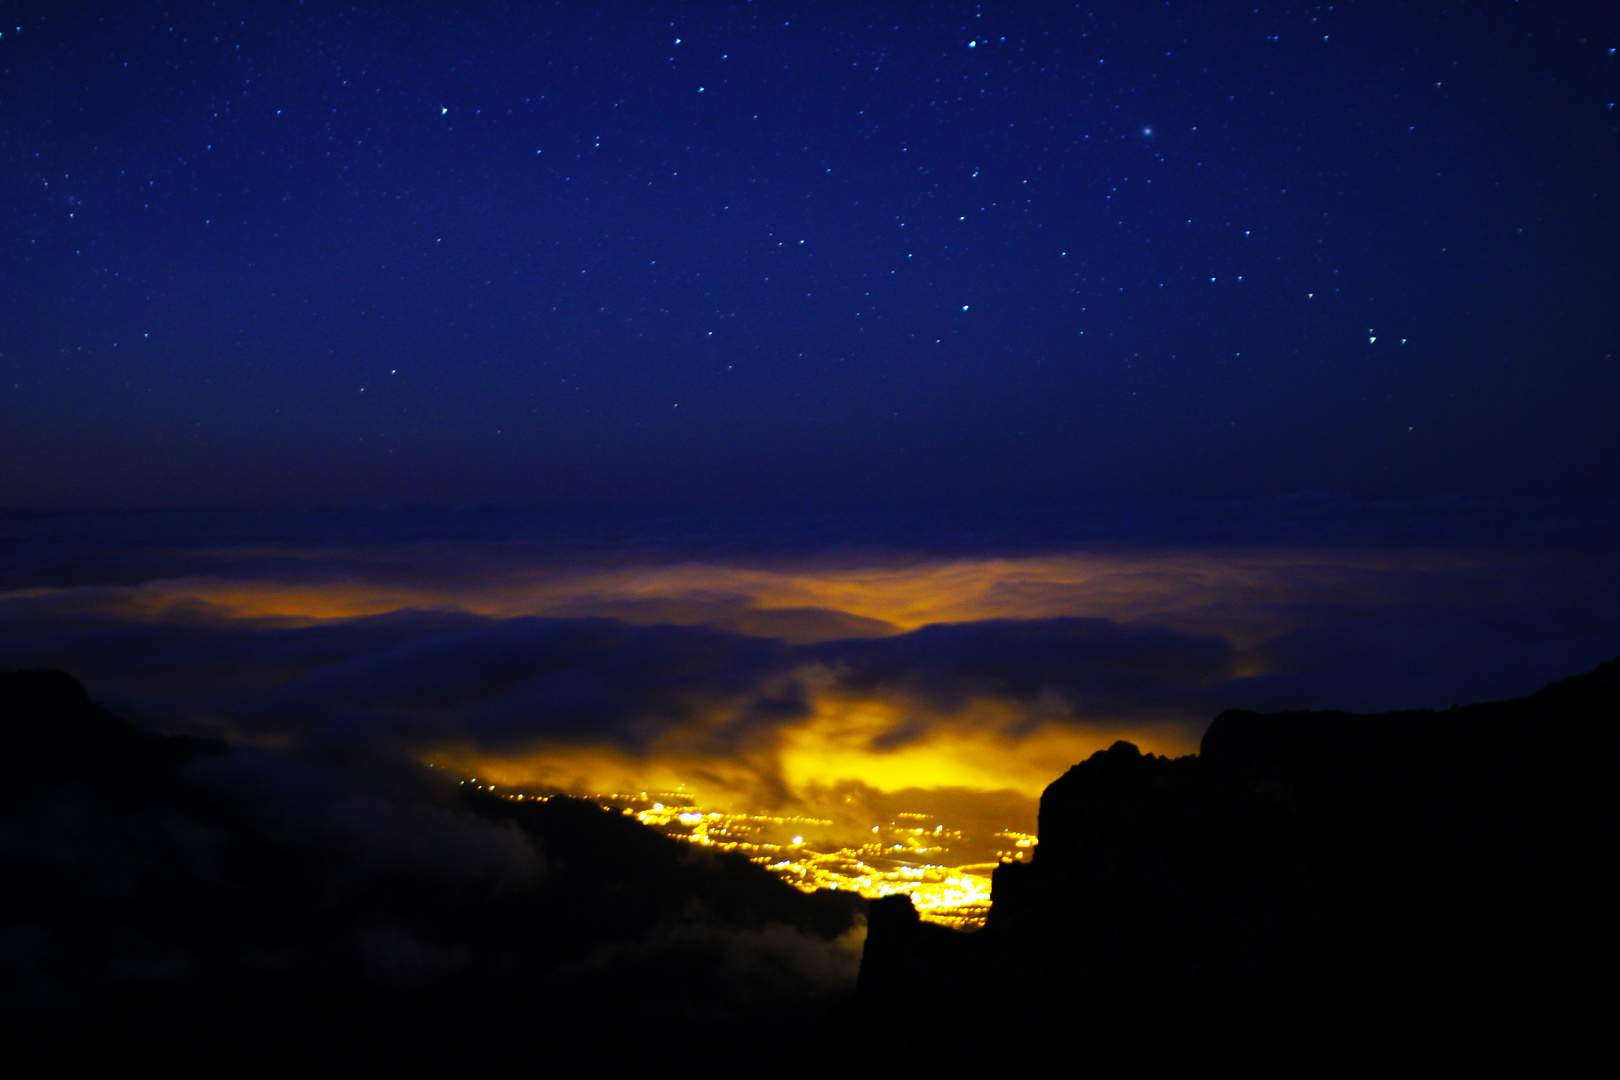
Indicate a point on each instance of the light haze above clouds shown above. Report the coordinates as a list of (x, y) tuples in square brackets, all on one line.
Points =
[(764, 672)]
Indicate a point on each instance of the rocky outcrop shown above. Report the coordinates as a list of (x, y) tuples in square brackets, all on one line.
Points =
[(1314, 891)]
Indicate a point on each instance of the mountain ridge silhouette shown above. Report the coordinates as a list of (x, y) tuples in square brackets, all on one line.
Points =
[(1316, 892), (195, 907), (1319, 892)]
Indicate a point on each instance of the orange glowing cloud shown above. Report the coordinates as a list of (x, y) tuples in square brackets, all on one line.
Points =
[(1234, 592), (889, 671)]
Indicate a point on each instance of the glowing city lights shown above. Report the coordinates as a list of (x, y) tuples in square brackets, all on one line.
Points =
[(909, 854)]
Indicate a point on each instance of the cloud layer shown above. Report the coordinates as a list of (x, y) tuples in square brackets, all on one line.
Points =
[(769, 672)]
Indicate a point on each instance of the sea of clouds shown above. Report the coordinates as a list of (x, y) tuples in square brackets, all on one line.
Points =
[(767, 659)]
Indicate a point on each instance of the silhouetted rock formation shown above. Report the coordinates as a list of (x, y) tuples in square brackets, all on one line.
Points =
[(53, 735), (1316, 891), (194, 908)]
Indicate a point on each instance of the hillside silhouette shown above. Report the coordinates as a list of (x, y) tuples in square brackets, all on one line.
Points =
[(1314, 892), (182, 904)]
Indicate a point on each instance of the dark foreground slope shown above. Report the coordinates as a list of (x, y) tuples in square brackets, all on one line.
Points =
[(1316, 892), (182, 906)]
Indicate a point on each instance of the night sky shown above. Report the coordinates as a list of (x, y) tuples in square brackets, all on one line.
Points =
[(772, 397), (838, 413), (767, 254)]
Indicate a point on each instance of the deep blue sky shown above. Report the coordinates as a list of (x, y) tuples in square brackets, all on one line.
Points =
[(766, 253)]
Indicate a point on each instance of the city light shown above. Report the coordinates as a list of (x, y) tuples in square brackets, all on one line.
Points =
[(910, 854)]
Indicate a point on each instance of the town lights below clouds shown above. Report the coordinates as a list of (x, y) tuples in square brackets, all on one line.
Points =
[(909, 855)]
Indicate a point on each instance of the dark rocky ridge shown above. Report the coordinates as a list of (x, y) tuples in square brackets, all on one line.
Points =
[(188, 906), (1316, 892)]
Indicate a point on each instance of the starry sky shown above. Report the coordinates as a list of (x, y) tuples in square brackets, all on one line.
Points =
[(805, 254)]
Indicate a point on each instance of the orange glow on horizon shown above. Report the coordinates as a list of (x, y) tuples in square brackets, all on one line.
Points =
[(1241, 595), (835, 754), (1235, 593)]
